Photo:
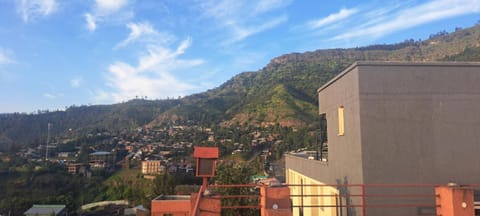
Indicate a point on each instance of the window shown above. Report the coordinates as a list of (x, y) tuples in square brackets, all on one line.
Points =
[(341, 121), (322, 139), (205, 167)]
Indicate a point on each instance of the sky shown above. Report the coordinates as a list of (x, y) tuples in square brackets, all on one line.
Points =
[(57, 53)]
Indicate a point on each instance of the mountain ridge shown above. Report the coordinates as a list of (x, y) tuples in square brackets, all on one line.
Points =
[(283, 92)]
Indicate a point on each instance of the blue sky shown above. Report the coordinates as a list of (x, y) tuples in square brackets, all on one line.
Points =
[(56, 53)]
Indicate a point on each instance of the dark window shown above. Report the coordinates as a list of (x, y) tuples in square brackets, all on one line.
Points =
[(323, 139), (205, 167)]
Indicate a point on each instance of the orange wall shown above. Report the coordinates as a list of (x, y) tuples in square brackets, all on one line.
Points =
[(175, 207)]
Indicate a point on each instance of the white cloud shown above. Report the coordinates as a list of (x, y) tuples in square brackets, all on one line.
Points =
[(414, 16), (240, 33), (151, 77), (145, 32), (332, 18), (268, 5), (109, 6), (33, 9), (76, 82), (243, 19), (52, 95), (90, 22), (106, 10), (48, 95), (4, 59)]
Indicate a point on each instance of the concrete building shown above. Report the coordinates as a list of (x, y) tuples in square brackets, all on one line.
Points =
[(101, 160), (392, 123), (151, 167)]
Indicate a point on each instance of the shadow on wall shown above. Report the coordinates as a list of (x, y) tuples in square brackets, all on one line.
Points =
[(345, 202)]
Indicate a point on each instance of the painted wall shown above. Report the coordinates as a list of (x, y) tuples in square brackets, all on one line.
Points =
[(318, 193)]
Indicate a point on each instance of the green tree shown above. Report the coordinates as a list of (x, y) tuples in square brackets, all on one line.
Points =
[(164, 184), (236, 173)]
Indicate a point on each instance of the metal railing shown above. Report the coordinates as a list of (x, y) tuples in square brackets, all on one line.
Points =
[(244, 196), (348, 198)]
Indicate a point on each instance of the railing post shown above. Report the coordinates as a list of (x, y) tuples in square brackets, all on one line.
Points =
[(263, 200), (364, 211)]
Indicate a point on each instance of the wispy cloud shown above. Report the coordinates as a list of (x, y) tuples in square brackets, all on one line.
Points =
[(76, 82), (52, 95), (268, 5), (109, 6), (332, 18), (103, 10), (146, 33), (152, 76), (240, 33), (90, 22), (33, 9), (4, 58), (409, 17), (243, 19)]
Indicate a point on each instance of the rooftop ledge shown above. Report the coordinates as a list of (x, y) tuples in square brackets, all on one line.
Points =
[(307, 156), (173, 197)]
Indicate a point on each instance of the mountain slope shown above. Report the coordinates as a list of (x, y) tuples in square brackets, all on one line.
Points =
[(283, 92), (250, 99)]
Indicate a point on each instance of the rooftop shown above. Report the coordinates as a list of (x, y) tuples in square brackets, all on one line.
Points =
[(44, 209), (101, 153), (396, 63)]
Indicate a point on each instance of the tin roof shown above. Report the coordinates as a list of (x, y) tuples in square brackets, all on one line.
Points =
[(44, 209), (205, 152), (101, 153)]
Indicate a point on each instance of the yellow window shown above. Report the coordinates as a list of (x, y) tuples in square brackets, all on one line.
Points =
[(341, 121)]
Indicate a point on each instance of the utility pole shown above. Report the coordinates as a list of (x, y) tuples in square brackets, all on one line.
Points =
[(49, 125)]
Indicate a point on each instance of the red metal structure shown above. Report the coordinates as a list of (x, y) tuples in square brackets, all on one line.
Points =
[(276, 200)]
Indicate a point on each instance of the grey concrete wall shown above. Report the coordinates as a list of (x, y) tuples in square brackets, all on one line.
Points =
[(420, 123)]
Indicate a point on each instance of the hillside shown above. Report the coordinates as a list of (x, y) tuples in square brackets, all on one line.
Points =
[(283, 92)]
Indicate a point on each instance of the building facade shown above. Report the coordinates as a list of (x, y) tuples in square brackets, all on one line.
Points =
[(393, 123), (152, 167), (101, 160)]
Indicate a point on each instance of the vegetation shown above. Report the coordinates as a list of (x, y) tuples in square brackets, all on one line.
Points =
[(164, 184), (24, 184), (234, 173)]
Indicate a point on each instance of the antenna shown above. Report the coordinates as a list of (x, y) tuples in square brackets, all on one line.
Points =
[(49, 125)]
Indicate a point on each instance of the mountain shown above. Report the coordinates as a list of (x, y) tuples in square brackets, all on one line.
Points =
[(283, 92)]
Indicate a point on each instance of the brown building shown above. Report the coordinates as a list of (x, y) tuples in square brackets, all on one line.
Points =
[(74, 168), (101, 160), (393, 123)]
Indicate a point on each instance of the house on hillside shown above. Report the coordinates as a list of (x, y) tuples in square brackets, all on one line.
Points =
[(391, 123), (101, 160), (152, 167)]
